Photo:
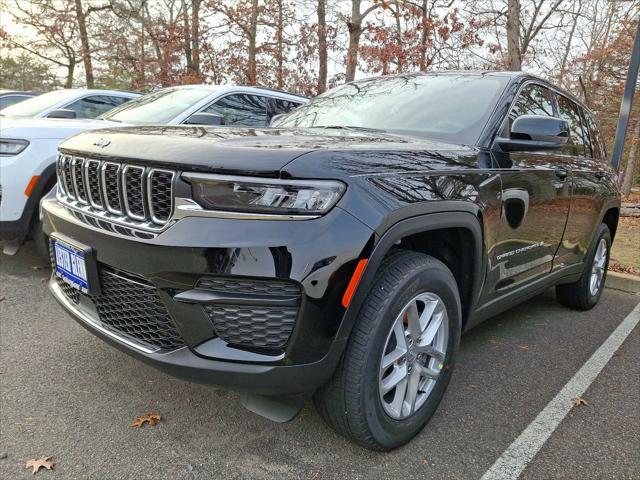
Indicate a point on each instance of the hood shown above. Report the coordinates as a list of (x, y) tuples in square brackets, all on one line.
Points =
[(48, 128), (227, 149)]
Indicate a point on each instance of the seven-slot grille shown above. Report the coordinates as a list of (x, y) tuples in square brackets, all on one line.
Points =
[(139, 193)]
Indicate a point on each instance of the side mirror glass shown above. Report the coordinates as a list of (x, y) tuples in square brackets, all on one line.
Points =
[(202, 118), (62, 113), (536, 132), (274, 120)]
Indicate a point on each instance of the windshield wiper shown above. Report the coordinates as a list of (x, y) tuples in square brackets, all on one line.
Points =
[(349, 127)]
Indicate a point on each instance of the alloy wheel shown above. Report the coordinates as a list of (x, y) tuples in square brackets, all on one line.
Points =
[(597, 270), (413, 355)]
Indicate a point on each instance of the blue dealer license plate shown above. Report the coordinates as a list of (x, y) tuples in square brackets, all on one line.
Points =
[(71, 265)]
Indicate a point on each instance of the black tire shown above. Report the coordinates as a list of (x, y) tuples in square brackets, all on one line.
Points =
[(578, 295), (41, 241), (350, 402)]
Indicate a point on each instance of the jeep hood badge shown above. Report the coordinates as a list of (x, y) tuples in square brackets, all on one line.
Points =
[(102, 143)]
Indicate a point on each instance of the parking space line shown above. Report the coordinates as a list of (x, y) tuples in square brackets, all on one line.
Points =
[(517, 456)]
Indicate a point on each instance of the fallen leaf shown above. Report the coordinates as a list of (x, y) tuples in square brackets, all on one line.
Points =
[(578, 401), (37, 267), (424, 461), (37, 463), (150, 418), (523, 347)]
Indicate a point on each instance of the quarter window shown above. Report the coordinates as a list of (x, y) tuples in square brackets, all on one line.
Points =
[(596, 138), (241, 109), (91, 107), (577, 143)]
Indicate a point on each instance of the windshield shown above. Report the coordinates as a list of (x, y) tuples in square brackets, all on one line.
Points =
[(157, 108), (33, 106), (449, 107)]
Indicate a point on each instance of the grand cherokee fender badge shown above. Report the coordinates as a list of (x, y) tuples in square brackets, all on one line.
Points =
[(102, 143)]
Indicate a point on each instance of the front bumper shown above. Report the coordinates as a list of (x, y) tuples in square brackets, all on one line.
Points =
[(316, 255)]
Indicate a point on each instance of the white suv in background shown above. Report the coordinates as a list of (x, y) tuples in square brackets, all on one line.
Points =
[(68, 103), (28, 147)]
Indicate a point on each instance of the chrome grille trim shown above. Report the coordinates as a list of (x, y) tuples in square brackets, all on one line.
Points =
[(129, 205), (78, 179), (151, 175), (108, 183), (93, 180), (123, 198), (66, 176)]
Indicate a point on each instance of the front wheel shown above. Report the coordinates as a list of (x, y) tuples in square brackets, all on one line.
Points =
[(400, 355)]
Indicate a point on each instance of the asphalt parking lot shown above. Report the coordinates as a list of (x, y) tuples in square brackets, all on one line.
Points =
[(68, 395)]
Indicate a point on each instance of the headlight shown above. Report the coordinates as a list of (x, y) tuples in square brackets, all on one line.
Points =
[(247, 194), (12, 146)]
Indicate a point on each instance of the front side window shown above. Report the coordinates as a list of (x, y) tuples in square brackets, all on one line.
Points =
[(532, 100), (283, 106), (568, 110), (241, 109), (95, 105)]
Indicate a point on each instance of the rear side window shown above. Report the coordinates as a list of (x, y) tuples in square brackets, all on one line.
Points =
[(597, 144), (241, 109), (11, 99), (577, 144), (93, 106)]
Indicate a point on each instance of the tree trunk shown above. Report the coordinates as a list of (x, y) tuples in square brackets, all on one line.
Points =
[(322, 46), (187, 38), (513, 34), (251, 61), (355, 29), (279, 28), (629, 171), (399, 60), (84, 40), (423, 37), (195, 35), (70, 69)]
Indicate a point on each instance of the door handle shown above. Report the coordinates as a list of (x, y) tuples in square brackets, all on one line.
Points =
[(561, 173), (600, 174)]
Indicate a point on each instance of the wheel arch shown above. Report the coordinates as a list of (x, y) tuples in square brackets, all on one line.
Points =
[(422, 224)]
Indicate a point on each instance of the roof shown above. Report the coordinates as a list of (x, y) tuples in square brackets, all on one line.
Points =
[(250, 88)]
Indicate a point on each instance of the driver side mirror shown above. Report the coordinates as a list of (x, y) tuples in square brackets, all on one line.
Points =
[(535, 132), (275, 118), (62, 113), (202, 118)]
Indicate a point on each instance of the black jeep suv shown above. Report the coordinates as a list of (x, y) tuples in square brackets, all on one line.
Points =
[(342, 252)]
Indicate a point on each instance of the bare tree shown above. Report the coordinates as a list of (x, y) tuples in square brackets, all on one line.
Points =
[(56, 39), (513, 35), (354, 25), (322, 45)]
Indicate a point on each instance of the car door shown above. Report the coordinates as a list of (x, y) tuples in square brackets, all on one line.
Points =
[(590, 176), (93, 106), (241, 109), (536, 190)]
